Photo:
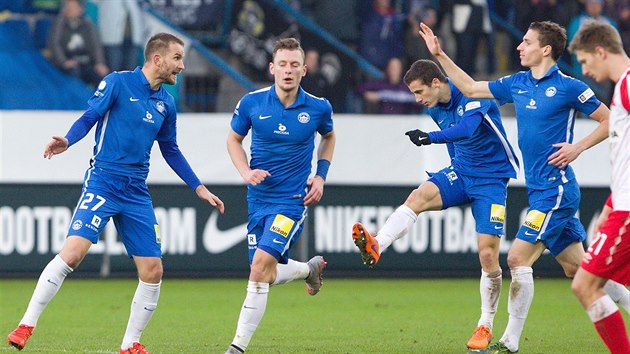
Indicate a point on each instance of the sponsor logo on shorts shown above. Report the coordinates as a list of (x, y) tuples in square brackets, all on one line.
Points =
[(282, 225), (497, 213), (158, 237), (96, 221), (251, 239), (534, 220)]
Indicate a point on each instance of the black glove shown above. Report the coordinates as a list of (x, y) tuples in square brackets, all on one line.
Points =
[(418, 137)]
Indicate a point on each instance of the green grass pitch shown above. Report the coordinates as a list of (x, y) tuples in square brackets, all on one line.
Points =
[(348, 316)]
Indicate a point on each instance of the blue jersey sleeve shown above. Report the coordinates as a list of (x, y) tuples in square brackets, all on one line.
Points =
[(176, 160), (106, 94), (582, 97), (327, 123), (241, 120), (462, 130), (82, 126), (501, 89)]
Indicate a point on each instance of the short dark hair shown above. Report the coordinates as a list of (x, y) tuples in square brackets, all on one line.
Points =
[(594, 34), (287, 44), (160, 43), (425, 71), (551, 34)]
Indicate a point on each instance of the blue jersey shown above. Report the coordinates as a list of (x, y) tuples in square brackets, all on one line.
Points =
[(133, 117), (283, 141), (485, 151), (545, 115)]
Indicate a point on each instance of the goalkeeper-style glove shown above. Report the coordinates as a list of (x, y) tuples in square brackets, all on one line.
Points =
[(418, 137)]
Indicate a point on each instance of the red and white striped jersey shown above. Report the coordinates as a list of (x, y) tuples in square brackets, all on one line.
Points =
[(619, 133)]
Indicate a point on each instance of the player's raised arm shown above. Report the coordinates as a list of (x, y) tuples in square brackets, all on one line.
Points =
[(463, 81)]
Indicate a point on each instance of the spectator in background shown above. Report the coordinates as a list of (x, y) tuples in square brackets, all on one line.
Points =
[(419, 11), (315, 82), (593, 10), (340, 18), (389, 95), (471, 22), (75, 46), (382, 34), (122, 31), (619, 10)]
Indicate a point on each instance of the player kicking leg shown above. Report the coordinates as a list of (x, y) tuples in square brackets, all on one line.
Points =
[(489, 212)]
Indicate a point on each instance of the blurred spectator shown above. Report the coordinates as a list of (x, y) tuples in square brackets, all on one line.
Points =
[(122, 32), (593, 10), (619, 10), (419, 11), (74, 45), (340, 18), (471, 23), (382, 34), (389, 95), (315, 82), (49, 6)]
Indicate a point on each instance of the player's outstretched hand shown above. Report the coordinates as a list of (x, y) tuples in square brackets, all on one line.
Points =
[(433, 44), (204, 194), (418, 137), (315, 191), (56, 146)]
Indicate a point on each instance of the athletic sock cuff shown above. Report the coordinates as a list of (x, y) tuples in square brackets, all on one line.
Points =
[(256, 287), (601, 308), (407, 211), (64, 266)]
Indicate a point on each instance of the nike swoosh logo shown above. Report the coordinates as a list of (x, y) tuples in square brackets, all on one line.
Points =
[(498, 227), (522, 91), (529, 233), (218, 241), (52, 282), (276, 241), (249, 307), (133, 99), (149, 309), (261, 117)]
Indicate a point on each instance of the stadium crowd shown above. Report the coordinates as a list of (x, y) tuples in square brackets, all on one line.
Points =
[(378, 30)]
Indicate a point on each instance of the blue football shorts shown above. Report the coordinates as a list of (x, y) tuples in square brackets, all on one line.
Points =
[(487, 197), (124, 199), (274, 228), (551, 217)]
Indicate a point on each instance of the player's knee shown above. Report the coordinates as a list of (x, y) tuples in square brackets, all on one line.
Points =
[(417, 200), (487, 258), (514, 261), (152, 274), (261, 273), (570, 270), (72, 259)]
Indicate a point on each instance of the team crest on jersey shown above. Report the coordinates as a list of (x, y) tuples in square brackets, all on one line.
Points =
[(304, 117), (77, 225), (550, 91), (460, 111), (160, 107)]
